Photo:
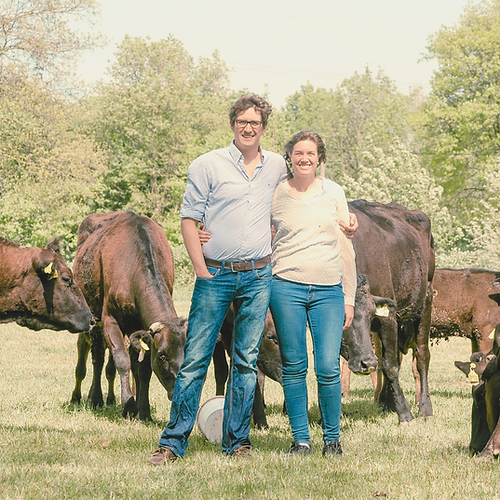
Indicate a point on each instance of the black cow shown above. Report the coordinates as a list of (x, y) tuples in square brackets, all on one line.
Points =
[(395, 250)]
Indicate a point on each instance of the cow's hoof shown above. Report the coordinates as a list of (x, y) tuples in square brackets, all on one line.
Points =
[(146, 417), (406, 420), (130, 408), (110, 401), (260, 426), (426, 418), (97, 403), (76, 398)]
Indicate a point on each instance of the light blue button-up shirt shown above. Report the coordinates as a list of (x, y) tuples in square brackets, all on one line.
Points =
[(235, 209)]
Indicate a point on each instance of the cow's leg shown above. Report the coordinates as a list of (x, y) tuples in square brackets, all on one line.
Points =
[(259, 414), (97, 348), (423, 357), (110, 377), (83, 349), (221, 369), (142, 372), (345, 378), (121, 358), (391, 396), (480, 433), (492, 448)]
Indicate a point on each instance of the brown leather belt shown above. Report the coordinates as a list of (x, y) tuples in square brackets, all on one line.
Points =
[(245, 265)]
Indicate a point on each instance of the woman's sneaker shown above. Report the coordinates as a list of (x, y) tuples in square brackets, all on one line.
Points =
[(299, 448), (333, 449)]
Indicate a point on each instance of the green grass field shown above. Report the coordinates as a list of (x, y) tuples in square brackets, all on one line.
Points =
[(51, 449)]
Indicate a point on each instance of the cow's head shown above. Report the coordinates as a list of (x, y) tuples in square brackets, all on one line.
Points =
[(269, 359), (166, 341), (356, 345), (51, 298)]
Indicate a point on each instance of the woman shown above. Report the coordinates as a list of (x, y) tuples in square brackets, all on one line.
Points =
[(314, 284)]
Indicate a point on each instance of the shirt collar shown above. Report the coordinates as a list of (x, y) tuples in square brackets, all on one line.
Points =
[(237, 155)]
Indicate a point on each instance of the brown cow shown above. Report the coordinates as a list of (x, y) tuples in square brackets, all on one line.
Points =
[(462, 305), (125, 267), (37, 289), (395, 250)]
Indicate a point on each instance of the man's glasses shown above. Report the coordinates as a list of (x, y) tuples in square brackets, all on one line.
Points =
[(243, 123)]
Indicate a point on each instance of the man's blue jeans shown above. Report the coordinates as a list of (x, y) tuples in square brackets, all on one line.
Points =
[(249, 292), (293, 306)]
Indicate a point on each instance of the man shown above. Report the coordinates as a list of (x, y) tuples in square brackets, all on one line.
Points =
[(230, 191)]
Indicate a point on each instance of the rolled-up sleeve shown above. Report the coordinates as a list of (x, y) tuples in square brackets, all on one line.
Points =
[(349, 279), (197, 191)]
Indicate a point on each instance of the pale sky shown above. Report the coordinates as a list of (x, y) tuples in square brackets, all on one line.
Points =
[(283, 44)]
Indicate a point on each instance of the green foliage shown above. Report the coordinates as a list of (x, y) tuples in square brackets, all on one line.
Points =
[(462, 121), (49, 172), (364, 111), (157, 114)]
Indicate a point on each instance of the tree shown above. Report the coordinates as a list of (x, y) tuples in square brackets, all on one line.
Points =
[(462, 116), (49, 173), (396, 175), (364, 111), (39, 36), (157, 114)]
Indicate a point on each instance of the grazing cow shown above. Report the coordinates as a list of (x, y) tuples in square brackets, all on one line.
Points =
[(125, 267), (395, 250), (463, 305), (37, 289)]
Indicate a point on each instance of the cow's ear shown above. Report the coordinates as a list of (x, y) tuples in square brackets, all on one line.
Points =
[(141, 341), (53, 245), (384, 306), (463, 366), (495, 297), (45, 265)]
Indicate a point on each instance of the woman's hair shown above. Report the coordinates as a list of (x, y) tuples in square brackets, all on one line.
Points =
[(250, 101), (306, 135)]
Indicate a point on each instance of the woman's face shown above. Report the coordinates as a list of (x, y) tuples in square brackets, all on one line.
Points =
[(305, 158)]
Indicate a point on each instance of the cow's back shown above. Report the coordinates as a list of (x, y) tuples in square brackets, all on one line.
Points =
[(117, 253), (394, 249), (461, 304)]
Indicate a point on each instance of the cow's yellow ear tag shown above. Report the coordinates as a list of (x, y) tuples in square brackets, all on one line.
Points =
[(144, 348), (492, 334), (473, 377), (51, 272), (382, 311)]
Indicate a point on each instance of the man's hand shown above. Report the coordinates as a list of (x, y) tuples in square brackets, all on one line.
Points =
[(349, 316), (351, 228), (204, 236)]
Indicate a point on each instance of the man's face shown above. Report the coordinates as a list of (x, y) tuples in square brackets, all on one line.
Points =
[(247, 135)]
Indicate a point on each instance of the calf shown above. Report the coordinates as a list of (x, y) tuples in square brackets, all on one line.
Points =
[(125, 267)]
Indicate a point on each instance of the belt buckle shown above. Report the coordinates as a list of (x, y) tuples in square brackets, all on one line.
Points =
[(232, 267)]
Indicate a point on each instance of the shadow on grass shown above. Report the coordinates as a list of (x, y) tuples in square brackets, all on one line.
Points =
[(112, 413)]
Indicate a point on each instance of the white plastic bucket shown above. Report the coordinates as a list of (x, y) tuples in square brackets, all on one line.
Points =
[(210, 417)]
